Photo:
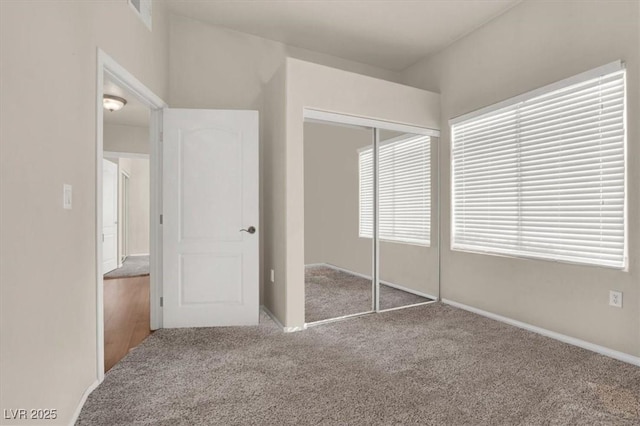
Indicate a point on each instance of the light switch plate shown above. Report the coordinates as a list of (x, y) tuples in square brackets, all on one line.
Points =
[(67, 196)]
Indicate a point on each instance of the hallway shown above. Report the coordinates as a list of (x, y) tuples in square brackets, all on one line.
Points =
[(126, 317)]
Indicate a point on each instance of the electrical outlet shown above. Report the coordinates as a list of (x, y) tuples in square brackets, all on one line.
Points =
[(615, 298), (273, 276)]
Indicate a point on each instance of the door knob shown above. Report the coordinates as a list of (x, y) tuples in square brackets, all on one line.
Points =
[(250, 230)]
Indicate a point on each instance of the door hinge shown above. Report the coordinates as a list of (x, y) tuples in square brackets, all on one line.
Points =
[(161, 136), (161, 302), (160, 219), (103, 238)]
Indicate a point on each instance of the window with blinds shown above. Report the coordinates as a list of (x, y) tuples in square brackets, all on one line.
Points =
[(544, 176), (404, 179)]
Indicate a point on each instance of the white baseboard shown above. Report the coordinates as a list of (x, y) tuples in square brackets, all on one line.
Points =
[(336, 319), (408, 290), (294, 329), (315, 264), (338, 268), (116, 154), (83, 399), (620, 356), (368, 277), (137, 254), (279, 324)]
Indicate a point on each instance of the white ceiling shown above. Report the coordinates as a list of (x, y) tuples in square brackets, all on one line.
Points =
[(134, 112), (385, 33)]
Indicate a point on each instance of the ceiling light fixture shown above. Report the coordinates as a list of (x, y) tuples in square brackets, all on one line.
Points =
[(113, 103)]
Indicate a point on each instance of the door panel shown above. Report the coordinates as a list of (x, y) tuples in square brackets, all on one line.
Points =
[(338, 220), (109, 216), (210, 193), (195, 272), (220, 162)]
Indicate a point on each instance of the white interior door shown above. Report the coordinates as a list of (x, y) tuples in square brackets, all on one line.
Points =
[(124, 219), (109, 216), (210, 193)]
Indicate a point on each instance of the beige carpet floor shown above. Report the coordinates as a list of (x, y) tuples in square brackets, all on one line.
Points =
[(133, 266), (431, 365), (331, 293)]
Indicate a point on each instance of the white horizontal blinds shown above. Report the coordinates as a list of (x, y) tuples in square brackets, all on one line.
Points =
[(404, 179), (365, 168), (545, 177)]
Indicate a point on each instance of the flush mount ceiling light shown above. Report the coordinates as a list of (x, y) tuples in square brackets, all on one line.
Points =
[(113, 103)]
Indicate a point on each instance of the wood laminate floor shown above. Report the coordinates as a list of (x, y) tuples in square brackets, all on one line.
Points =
[(126, 317)]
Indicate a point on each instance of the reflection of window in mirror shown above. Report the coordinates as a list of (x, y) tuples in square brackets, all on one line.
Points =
[(405, 190)]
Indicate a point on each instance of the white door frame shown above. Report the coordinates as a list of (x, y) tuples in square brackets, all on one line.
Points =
[(123, 220), (126, 80), (116, 207)]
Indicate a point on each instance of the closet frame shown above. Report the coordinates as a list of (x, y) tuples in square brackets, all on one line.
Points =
[(331, 118)]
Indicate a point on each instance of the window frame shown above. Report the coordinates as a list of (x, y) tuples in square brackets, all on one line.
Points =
[(610, 68)]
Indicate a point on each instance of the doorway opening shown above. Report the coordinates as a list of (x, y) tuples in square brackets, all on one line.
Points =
[(370, 205), (128, 188), (125, 220)]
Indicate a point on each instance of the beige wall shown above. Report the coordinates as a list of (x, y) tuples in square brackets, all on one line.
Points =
[(272, 195), (329, 89), (139, 203), (331, 200), (534, 44), (214, 67), (331, 212), (48, 106), (123, 138)]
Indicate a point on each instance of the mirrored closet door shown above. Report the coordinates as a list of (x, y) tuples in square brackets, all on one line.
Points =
[(406, 276), (370, 195), (338, 227)]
